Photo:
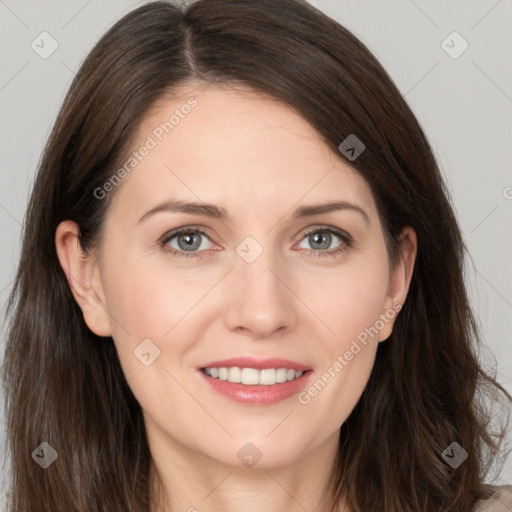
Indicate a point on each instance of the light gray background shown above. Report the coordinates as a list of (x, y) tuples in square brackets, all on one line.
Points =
[(463, 104)]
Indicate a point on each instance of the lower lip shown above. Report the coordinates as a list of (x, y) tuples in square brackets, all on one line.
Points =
[(258, 395)]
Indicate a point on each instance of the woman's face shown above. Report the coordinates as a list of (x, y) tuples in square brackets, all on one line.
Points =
[(261, 283)]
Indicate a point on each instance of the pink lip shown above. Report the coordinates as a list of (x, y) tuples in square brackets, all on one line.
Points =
[(258, 364), (258, 394)]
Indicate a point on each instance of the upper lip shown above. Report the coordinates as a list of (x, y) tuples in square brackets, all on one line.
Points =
[(258, 364)]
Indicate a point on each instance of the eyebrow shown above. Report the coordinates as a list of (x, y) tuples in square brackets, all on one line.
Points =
[(217, 212)]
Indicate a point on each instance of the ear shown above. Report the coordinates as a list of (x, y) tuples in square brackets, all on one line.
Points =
[(83, 277), (399, 280)]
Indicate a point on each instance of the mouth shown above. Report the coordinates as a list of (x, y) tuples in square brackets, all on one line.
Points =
[(252, 376), (256, 382)]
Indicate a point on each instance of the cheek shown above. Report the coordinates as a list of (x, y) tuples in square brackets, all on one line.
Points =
[(153, 306), (168, 306), (350, 304), (143, 304), (348, 299), (358, 307)]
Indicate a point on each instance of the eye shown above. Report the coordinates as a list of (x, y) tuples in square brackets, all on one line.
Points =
[(321, 239), (189, 242)]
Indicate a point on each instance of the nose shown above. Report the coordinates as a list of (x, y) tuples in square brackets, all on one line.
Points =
[(261, 300)]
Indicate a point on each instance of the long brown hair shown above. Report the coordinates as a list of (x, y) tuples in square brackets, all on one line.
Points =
[(64, 385)]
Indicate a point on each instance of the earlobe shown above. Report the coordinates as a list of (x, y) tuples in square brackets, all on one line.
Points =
[(400, 279), (83, 278)]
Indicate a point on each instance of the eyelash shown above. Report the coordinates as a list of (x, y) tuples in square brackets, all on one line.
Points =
[(345, 237)]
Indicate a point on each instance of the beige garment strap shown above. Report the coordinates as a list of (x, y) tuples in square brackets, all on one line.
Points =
[(499, 501)]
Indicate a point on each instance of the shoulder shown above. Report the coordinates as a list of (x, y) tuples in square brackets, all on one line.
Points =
[(498, 499)]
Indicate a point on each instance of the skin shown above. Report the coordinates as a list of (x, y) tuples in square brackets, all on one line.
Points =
[(259, 160)]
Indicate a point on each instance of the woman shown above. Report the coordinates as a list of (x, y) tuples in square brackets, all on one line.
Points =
[(179, 341)]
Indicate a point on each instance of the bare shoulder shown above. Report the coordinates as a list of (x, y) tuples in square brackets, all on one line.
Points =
[(499, 499)]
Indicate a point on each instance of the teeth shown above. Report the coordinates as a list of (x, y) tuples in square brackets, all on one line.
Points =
[(252, 377), (268, 377), (281, 375), (235, 375)]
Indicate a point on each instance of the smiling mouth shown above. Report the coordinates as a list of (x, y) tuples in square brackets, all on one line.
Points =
[(253, 376)]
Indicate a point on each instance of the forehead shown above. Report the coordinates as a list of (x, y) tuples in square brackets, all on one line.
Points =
[(237, 148)]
